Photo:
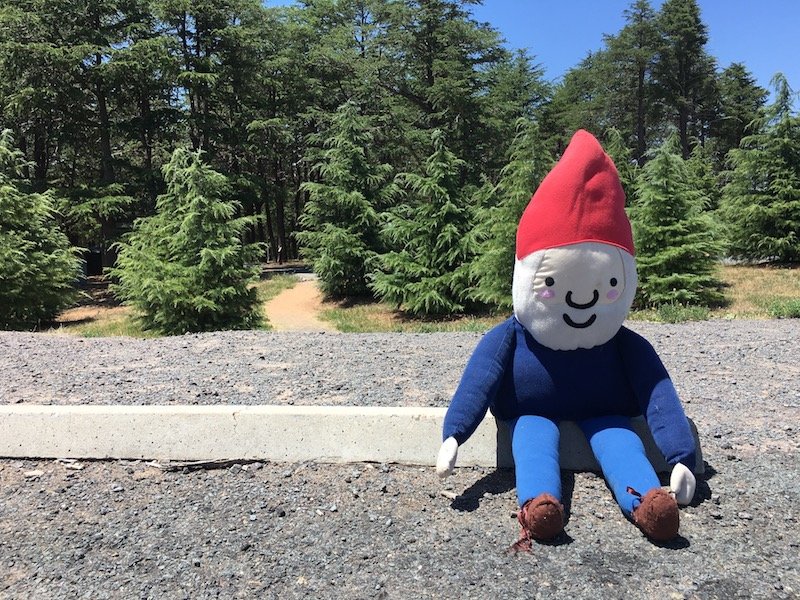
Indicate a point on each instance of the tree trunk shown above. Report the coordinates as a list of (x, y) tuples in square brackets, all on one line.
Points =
[(271, 241), (146, 139), (683, 130), (641, 131), (106, 164), (40, 165), (187, 65), (23, 147), (280, 223)]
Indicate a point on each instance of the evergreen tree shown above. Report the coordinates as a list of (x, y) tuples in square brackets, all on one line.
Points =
[(701, 169), (435, 58), (428, 272), (38, 267), (685, 72), (516, 90), (632, 55), (499, 213), (676, 247), (185, 268), (761, 202), (627, 165), (741, 102), (342, 236), (579, 102)]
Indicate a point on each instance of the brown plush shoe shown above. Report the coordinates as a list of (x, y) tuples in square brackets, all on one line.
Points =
[(657, 516), (541, 518)]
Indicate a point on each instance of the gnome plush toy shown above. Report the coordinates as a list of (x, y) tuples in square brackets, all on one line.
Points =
[(565, 355)]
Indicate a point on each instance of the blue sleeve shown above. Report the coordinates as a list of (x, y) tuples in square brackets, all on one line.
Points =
[(480, 382), (658, 399)]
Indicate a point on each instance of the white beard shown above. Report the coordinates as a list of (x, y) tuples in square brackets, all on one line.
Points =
[(584, 270)]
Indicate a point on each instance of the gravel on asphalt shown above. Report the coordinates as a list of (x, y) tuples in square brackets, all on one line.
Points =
[(129, 529)]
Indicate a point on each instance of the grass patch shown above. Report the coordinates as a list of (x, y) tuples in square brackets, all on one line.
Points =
[(377, 317), (671, 313), (272, 286), (759, 291), (95, 321), (676, 313), (784, 308)]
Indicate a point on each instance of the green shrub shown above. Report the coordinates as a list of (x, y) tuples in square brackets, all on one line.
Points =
[(38, 266), (185, 269), (427, 273), (676, 244), (341, 233)]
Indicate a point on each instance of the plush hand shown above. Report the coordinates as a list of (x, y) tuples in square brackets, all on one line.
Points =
[(447, 457), (682, 483)]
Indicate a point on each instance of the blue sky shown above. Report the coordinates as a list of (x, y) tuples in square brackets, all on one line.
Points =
[(762, 34)]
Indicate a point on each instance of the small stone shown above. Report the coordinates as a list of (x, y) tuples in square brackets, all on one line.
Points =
[(745, 516), (333, 508), (35, 474)]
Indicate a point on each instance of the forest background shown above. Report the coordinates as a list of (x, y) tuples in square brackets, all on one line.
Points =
[(393, 143)]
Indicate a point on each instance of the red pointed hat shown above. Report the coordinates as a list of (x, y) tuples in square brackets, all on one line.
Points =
[(580, 200)]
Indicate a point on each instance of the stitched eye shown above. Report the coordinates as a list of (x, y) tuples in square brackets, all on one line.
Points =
[(549, 282), (613, 282)]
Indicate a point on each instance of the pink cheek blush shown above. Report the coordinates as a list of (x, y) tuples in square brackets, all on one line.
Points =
[(612, 295), (546, 294)]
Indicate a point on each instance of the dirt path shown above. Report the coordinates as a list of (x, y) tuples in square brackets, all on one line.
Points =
[(296, 309)]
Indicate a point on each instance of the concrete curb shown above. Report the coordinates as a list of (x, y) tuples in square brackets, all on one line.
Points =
[(335, 434)]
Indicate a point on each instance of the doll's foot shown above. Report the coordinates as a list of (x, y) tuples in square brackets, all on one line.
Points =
[(657, 516), (541, 518)]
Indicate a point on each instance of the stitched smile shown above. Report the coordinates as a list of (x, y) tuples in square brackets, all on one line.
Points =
[(583, 325)]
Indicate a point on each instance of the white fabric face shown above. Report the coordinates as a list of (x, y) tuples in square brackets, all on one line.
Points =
[(574, 296)]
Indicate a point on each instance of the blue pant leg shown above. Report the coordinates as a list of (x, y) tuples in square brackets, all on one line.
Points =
[(622, 457), (534, 444)]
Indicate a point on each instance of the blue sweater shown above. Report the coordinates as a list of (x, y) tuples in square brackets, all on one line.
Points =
[(514, 375)]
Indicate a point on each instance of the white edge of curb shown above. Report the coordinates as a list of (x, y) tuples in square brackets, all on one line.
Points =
[(329, 434)]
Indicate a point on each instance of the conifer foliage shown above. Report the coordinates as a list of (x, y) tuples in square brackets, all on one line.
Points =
[(38, 266), (341, 234), (761, 203), (185, 268), (676, 247), (427, 272), (498, 216)]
